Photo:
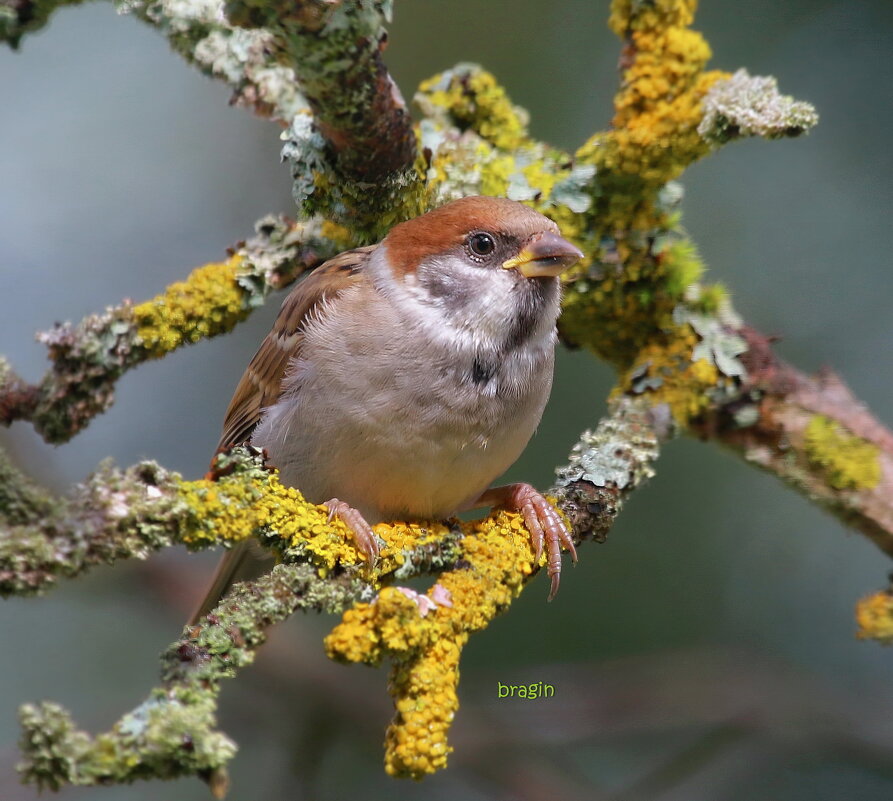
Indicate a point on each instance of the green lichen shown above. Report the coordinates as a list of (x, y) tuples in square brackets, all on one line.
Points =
[(168, 736), (320, 187), (21, 500), (683, 265), (847, 462), (173, 733), (26, 16), (472, 99)]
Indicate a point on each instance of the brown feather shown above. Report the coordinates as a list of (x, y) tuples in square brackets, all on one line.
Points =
[(447, 227), (261, 383), (261, 386)]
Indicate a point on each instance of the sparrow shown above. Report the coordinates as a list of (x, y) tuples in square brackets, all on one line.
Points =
[(401, 379)]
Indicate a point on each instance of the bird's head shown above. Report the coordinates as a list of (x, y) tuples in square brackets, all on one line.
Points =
[(483, 265)]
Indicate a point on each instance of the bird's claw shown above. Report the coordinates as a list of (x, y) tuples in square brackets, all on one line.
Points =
[(363, 536), (543, 522)]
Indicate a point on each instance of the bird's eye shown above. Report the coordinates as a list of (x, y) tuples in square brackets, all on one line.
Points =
[(481, 244)]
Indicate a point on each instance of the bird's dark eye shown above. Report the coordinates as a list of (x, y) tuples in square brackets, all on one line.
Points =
[(481, 244)]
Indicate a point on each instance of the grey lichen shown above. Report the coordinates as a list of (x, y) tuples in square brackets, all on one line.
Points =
[(746, 105), (719, 343), (88, 359), (279, 252), (304, 149), (113, 515), (574, 191), (242, 58), (247, 60), (619, 453)]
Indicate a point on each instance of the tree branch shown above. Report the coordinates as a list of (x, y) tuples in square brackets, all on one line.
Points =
[(335, 51), (172, 733), (813, 434), (88, 358)]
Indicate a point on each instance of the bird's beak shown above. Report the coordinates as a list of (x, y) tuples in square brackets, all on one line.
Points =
[(544, 256)]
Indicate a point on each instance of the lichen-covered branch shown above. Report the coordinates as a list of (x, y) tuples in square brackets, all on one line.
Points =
[(317, 66), (335, 51), (815, 435), (18, 17), (480, 567), (114, 515), (88, 358), (173, 732)]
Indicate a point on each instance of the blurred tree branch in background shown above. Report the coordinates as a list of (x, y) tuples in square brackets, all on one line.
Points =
[(685, 363)]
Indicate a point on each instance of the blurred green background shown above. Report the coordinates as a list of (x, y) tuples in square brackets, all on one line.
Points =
[(706, 652)]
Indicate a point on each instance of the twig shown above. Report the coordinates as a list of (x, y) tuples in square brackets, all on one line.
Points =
[(88, 358), (173, 733), (813, 434)]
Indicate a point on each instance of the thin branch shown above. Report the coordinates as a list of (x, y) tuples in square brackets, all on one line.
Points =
[(88, 358), (353, 155), (172, 733), (815, 435)]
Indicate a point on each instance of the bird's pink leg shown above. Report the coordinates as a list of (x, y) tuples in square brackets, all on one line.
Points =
[(543, 523), (364, 537)]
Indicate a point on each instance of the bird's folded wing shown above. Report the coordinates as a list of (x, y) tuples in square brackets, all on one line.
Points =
[(261, 383)]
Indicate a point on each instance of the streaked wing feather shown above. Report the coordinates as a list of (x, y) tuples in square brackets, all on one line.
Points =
[(261, 383)]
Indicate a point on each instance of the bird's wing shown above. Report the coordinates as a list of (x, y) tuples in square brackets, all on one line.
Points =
[(261, 383), (261, 386)]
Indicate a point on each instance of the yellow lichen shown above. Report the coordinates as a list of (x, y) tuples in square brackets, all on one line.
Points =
[(653, 139), (847, 462), (874, 616), (475, 100), (633, 14), (341, 237), (665, 370), (623, 310), (232, 509), (425, 649), (399, 538), (208, 302), (426, 702)]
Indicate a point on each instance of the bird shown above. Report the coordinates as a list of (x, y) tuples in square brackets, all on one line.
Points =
[(401, 379)]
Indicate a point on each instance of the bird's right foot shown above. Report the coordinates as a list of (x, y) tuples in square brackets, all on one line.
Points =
[(363, 536)]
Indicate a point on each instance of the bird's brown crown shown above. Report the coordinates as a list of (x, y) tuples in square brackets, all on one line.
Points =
[(445, 228)]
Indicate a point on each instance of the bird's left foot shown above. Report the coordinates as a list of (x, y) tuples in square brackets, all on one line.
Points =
[(543, 523)]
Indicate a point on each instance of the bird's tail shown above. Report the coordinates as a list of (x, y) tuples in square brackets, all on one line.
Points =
[(242, 562)]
